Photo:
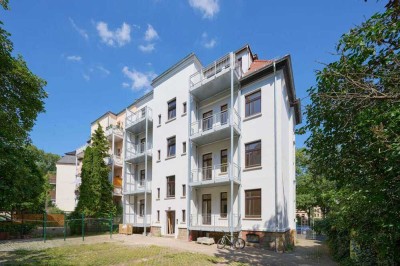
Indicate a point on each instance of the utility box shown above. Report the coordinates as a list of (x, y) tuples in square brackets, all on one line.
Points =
[(125, 229)]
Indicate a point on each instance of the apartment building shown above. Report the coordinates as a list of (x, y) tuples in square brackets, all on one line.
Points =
[(65, 196), (209, 150)]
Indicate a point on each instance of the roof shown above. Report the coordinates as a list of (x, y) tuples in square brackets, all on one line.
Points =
[(256, 65), (137, 101), (67, 159), (263, 69)]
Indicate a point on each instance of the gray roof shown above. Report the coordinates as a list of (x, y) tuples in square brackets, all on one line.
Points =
[(67, 159)]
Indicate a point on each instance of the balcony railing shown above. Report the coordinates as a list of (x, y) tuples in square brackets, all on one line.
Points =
[(113, 129), (133, 118), (215, 173), (117, 160), (117, 190), (137, 219), (81, 149), (214, 220), (136, 150), (137, 187), (215, 121)]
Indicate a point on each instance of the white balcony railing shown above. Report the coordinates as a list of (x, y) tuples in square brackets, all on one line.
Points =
[(215, 121), (133, 118), (137, 150), (137, 219), (215, 173), (113, 129), (214, 220), (81, 149), (137, 186), (117, 190), (117, 160)]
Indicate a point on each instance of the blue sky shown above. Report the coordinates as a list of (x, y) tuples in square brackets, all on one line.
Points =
[(101, 55)]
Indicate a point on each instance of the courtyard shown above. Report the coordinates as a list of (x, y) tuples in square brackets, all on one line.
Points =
[(142, 250)]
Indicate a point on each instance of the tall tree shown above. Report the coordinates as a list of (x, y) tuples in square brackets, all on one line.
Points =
[(354, 121), (21, 99), (95, 192)]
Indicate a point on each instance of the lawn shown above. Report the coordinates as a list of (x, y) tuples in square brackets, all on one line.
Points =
[(107, 254)]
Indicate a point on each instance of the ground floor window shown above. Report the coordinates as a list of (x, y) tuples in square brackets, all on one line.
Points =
[(224, 204), (253, 203), (141, 208)]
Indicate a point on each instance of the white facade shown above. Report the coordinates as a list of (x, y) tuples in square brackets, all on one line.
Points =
[(65, 186)]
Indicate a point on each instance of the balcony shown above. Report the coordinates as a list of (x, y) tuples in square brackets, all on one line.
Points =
[(117, 160), (215, 127), (214, 175), (136, 121), (137, 187), (117, 183), (81, 151), (137, 153), (214, 222), (214, 78), (137, 220), (117, 131)]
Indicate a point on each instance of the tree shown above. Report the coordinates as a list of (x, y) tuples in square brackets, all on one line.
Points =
[(21, 100), (95, 192), (354, 125)]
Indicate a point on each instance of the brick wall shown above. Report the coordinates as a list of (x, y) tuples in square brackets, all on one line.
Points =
[(155, 230), (182, 233)]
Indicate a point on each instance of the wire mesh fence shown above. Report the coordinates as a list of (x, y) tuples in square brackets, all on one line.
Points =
[(49, 226)]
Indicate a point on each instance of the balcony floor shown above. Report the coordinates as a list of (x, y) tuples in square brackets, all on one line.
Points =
[(137, 192), (139, 126), (211, 228), (139, 158), (214, 182), (214, 134)]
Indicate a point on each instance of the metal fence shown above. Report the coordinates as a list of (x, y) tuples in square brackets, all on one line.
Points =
[(49, 226)]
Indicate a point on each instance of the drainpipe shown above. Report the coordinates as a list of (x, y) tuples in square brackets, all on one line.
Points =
[(231, 155), (125, 145), (145, 171), (275, 162), (189, 147)]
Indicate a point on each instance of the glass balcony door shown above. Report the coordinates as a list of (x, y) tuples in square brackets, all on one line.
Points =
[(207, 166), (206, 209), (207, 120)]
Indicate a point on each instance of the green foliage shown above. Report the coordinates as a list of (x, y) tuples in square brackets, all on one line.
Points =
[(95, 198), (354, 124), (16, 228)]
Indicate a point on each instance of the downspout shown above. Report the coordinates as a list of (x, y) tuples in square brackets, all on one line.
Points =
[(145, 171), (275, 162), (189, 144), (231, 155), (124, 183)]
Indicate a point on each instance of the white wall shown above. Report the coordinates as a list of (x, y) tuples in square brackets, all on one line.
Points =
[(65, 187)]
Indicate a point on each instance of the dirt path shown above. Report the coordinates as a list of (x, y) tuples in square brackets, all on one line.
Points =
[(307, 252)]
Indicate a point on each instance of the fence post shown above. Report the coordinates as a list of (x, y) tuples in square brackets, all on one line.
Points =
[(111, 225), (83, 227), (44, 225), (65, 226)]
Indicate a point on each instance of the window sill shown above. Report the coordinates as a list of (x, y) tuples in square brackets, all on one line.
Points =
[(184, 114), (170, 120), (159, 125), (183, 197), (170, 198), (170, 157), (252, 219), (223, 173), (252, 117), (183, 223), (158, 199), (158, 161), (223, 218), (252, 168), (183, 154)]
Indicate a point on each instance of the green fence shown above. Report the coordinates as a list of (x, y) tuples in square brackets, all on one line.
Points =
[(49, 226)]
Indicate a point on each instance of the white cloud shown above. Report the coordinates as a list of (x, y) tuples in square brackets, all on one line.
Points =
[(103, 70), (86, 77), (125, 84), (207, 42), (151, 34), (120, 36), (147, 48), (139, 80), (82, 32), (209, 8), (74, 58)]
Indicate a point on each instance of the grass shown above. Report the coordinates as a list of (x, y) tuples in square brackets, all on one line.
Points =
[(107, 254)]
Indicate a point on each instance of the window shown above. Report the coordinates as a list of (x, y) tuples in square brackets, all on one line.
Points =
[(253, 103), (142, 145), (184, 147), (224, 161), (224, 114), (158, 193), (159, 119), (142, 178), (172, 109), (253, 203), (159, 155), (141, 208), (183, 216), (170, 186), (253, 154), (207, 166), (224, 204), (207, 120), (158, 216), (171, 147), (184, 108), (183, 190), (143, 112)]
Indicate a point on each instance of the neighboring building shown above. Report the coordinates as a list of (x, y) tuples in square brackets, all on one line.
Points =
[(66, 182), (303, 218), (53, 188), (210, 149)]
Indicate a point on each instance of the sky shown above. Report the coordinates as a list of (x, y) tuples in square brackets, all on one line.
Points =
[(100, 56)]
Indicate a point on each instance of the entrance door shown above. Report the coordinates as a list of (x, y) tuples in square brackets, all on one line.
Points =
[(207, 166), (170, 222), (206, 209)]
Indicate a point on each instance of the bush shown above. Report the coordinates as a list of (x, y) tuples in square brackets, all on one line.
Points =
[(17, 228)]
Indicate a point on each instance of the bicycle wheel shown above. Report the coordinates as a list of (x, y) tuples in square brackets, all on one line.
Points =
[(240, 243), (221, 243)]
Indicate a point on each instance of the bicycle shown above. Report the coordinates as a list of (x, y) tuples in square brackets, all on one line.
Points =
[(236, 242)]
